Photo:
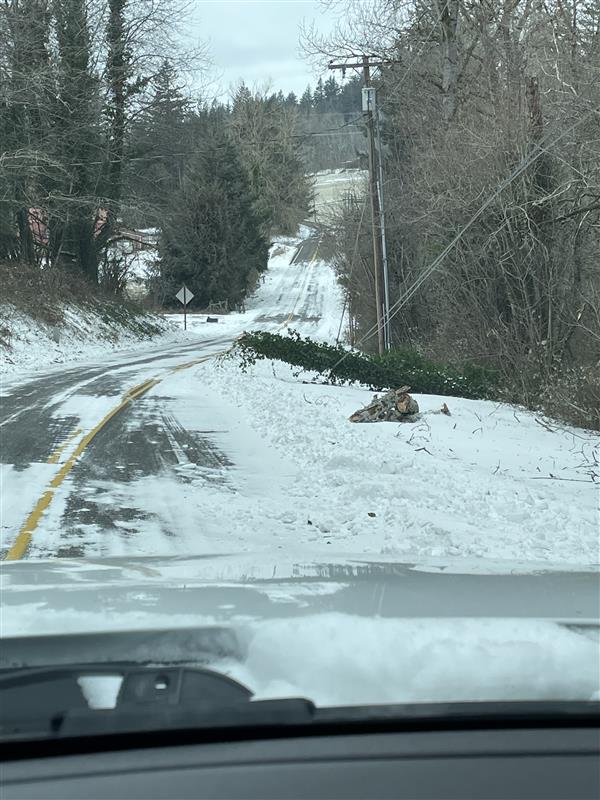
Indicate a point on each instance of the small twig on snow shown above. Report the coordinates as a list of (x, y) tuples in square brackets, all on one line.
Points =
[(544, 425), (423, 448), (555, 478)]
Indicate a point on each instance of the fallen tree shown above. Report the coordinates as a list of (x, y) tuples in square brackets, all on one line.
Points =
[(398, 367)]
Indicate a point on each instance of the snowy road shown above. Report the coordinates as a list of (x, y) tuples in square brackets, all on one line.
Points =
[(75, 441), (176, 452), (43, 422)]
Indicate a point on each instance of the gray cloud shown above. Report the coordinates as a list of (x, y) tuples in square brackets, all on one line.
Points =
[(257, 40)]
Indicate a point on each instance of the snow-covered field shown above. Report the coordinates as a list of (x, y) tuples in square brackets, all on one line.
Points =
[(331, 186)]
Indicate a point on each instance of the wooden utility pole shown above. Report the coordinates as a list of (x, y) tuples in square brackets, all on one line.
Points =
[(365, 63)]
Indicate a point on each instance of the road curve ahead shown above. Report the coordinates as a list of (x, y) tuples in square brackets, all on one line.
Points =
[(93, 457)]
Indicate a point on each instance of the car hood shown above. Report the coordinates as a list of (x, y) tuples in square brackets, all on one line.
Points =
[(51, 596), (345, 630)]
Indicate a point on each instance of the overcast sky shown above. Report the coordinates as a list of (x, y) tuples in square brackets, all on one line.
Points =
[(257, 40)]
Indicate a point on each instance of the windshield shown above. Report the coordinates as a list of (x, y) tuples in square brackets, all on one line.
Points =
[(300, 344)]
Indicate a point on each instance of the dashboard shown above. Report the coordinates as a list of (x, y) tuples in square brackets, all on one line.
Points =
[(537, 762)]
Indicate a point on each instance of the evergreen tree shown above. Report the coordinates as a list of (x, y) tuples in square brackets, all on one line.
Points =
[(265, 132), (211, 238), (160, 139), (349, 100), (76, 122), (26, 93), (330, 94), (122, 87), (319, 96), (306, 101)]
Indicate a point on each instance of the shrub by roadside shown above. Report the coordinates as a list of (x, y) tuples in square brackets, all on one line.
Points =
[(573, 397), (397, 368)]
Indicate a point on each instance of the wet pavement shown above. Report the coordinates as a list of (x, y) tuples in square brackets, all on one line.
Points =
[(44, 419)]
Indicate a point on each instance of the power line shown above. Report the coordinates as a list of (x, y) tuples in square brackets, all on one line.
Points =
[(375, 194), (163, 156), (525, 163)]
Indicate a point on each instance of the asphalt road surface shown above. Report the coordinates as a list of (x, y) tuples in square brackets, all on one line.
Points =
[(45, 419), (40, 421)]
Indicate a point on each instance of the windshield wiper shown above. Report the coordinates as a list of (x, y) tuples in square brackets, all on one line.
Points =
[(50, 702), (45, 704)]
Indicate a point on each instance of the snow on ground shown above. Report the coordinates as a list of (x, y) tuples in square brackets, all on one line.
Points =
[(489, 482), (85, 335), (286, 293), (141, 263), (290, 474), (303, 296), (285, 470)]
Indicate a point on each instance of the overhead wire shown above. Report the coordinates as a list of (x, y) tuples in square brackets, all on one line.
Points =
[(533, 156), (199, 151), (525, 163)]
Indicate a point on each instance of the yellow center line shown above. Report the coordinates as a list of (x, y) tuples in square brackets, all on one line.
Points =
[(199, 360), (19, 548), (23, 540), (59, 451)]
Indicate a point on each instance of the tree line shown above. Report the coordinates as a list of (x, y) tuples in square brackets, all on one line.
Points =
[(331, 116), (472, 91), (98, 134)]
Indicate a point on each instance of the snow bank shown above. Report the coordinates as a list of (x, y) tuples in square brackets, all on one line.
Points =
[(85, 334), (488, 482), (334, 659)]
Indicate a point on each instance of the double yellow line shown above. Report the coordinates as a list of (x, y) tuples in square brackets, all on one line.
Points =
[(23, 540), (19, 548)]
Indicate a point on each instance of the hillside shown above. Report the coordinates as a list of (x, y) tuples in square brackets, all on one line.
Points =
[(47, 318)]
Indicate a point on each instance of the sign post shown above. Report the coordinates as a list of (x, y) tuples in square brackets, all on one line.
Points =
[(184, 296)]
